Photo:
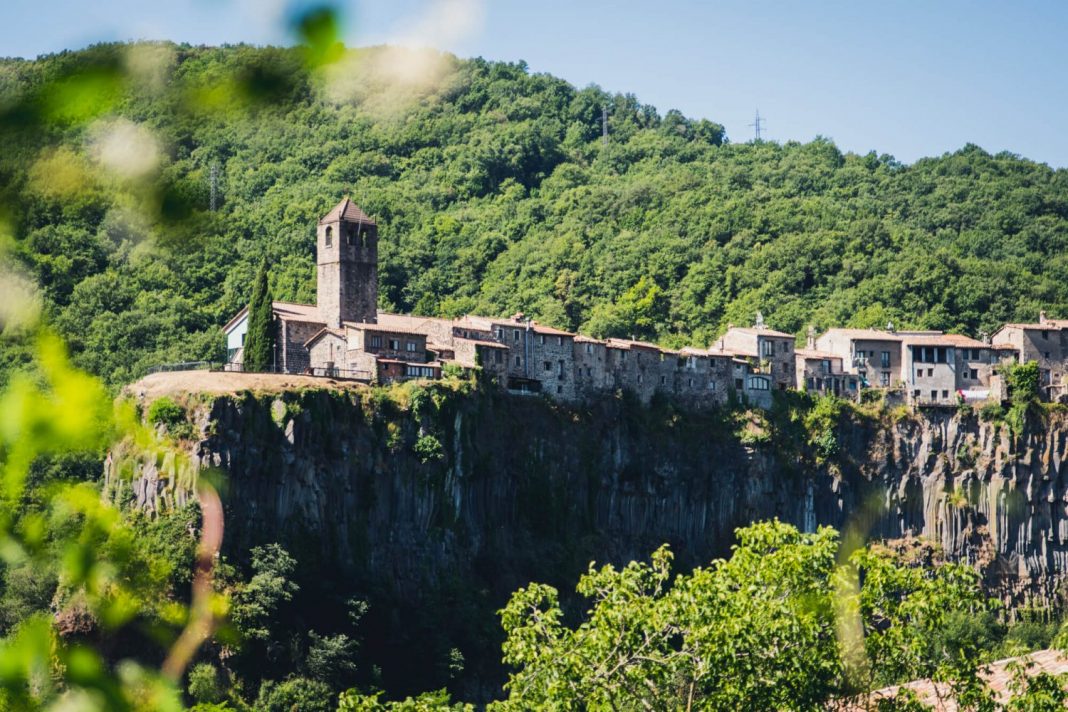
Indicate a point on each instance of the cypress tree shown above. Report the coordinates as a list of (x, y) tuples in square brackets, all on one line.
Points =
[(259, 342)]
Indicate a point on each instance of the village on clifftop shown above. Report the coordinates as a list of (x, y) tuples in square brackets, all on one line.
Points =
[(344, 335)]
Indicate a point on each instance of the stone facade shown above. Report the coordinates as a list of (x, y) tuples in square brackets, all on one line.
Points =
[(768, 352), (873, 355), (347, 266), (1045, 342), (823, 373)]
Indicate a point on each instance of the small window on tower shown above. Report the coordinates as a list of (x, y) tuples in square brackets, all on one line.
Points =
[(350, 236), (329, 236)]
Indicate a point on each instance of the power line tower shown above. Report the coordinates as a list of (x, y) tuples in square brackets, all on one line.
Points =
[(604, 124), (758, 124), (214, 185)]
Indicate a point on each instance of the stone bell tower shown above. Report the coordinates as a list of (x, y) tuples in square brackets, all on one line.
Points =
[(347, 266)]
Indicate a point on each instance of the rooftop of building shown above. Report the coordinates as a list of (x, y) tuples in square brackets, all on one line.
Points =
[(632, 344), (939, 339), (323, 332), (816, 353), (760, 331), (864, 334), (385, 328), (348, 211)]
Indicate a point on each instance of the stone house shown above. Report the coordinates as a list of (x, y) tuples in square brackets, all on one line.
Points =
[(872, 355), (822, 372), (328, 349), (769, 352), (932, 369), (1045, 342)]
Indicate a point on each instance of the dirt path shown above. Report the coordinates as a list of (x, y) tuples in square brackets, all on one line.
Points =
[(227, 382)]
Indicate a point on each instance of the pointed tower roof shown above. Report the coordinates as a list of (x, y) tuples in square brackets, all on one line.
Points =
[(348, 211)]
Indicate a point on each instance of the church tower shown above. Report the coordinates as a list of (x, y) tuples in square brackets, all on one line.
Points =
[(347, 266)]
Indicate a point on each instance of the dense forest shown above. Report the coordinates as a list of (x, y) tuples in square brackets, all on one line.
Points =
[(495, 193)]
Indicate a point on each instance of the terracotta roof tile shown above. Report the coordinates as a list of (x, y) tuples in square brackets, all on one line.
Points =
[(348, 211), (761, 331)]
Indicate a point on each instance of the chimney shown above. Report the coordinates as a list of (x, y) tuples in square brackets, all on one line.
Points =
[(1042, 318), (890, 327), (810, 337), (759, 321)]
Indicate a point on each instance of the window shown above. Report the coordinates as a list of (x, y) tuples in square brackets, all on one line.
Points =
[(639, 378), (787, 368), (919, 373), (589, 372), (930, 373), (691, 383), (560, 368), (559, 341), (548, 366), (497, 357), (410, 346), (559, 389), (541, 339), (500, 333), (394, 344), (757, 383), (738, 383), (518, 361), (1045, 334), (589, 348), (711, 385), (945, 394), (243, 338), (376, 341), (329, 236), (515, 335), (934, 395), (884, 378), (350, 236), (1045, 355), (885, 359), (825, 366), (974, 374), (767, 348), (663, 380)]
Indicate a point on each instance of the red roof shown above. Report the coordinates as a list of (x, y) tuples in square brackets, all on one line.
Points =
[(348, 211), (286, 311)]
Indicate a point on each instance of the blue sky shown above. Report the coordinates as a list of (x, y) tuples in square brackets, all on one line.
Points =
[(911, 78)]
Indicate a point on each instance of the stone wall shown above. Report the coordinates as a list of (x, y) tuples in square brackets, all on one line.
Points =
[(292, 337)]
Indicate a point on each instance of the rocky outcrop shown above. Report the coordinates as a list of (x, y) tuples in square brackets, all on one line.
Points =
[(521, 489)]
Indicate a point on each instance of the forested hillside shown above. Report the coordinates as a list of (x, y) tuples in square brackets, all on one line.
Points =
[(494, 193)]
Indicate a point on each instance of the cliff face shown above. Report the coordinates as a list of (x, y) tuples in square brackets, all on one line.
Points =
[(523, 490)]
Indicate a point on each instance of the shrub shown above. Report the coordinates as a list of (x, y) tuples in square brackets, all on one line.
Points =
[(204, 684), (297, 693), (428, 448), (1022, 380), (992, 412), (165, 411)]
